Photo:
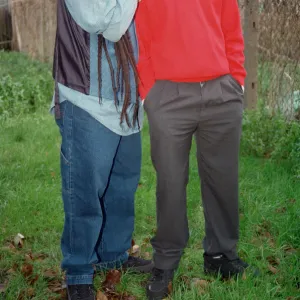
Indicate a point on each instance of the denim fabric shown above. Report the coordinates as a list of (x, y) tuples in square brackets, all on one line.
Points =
[(100, 173)]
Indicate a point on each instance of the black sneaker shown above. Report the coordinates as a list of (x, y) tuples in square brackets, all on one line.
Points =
[(81, 292), (139, 265), (158, 285), (220, 264)]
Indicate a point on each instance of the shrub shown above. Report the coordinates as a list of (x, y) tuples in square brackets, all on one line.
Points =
[(25, 85), (268, 135)]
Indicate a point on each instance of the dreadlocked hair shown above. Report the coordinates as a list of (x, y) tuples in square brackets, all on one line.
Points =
[(120, 78)]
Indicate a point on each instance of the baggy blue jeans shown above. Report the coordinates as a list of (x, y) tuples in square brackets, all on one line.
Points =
[(100, 172)]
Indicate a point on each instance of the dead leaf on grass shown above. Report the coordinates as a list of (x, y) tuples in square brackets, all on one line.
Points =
[(101, 296), (50, 273), (257, 241), (200, 284), (55, 286), (13, 269), (281, 210), (272, 269), (27, 270), (289, 250), (292, 201), (268, 234), (273, 261), (263, 231), (30, 292), (21, 296), (113, 278), (126, 297), (263, 227), (33, 279), (26, 294), (185, 279), (28, 256), (146, 240), (35, 257), (62, 295), (40, 256), (272, 243), (9, 247), (260, 240), (170, 288)]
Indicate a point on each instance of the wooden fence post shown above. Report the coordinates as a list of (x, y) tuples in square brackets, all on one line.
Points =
[(251, 27)]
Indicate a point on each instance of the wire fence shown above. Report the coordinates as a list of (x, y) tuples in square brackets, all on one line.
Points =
[(29, 26), (278, 50), (279, 55)]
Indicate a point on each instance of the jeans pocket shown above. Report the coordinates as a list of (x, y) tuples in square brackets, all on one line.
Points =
[(63, 157)]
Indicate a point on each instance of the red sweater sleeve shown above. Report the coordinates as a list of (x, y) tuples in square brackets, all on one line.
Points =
[(234, 41), (144, 66)]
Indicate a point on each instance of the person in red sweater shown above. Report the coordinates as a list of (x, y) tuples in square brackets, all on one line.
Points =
[(192, 73)]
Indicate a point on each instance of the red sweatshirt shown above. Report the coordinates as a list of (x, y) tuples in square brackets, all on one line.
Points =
[(189, 41)]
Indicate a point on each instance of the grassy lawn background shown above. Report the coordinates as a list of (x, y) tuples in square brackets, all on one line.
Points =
[(30, 203)]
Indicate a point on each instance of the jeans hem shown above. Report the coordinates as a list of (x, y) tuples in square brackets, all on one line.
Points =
[(79, 279), (115, 264)]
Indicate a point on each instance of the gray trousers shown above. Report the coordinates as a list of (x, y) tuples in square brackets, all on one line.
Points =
[(213, 114)]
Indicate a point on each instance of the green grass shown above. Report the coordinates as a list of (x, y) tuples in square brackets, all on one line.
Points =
[(30, 203)]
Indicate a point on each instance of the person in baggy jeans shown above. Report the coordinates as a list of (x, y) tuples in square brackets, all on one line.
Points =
[(192, 74), (99, 114)]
